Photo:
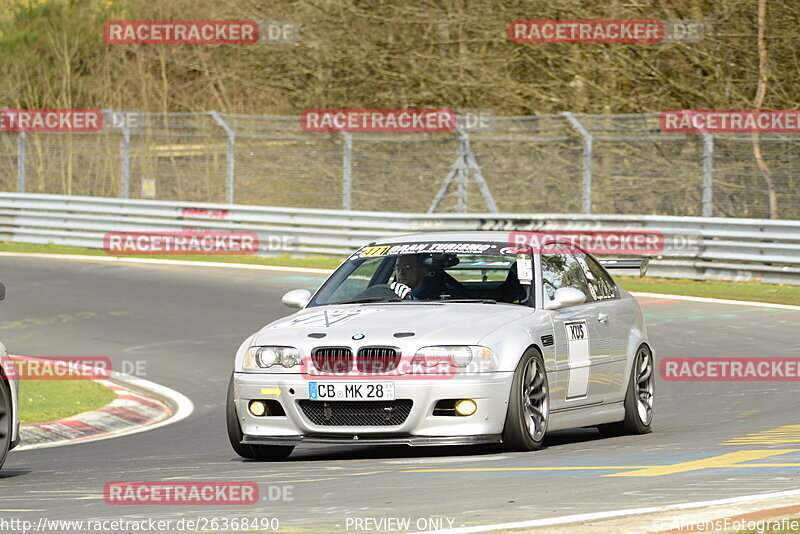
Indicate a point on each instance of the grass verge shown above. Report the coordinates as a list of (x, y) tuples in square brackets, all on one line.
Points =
[(42, 401), (750, 291)]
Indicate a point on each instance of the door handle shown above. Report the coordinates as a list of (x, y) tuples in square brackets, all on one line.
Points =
[(602, 317)]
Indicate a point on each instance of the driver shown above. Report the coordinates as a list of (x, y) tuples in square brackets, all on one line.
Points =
[(414, 279)]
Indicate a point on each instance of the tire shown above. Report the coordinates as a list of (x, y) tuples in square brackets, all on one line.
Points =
[(638, 398), (251, 452), (528, 405), (6, 423)]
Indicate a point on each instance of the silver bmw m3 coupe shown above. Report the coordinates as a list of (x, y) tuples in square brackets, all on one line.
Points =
[(447, 339)]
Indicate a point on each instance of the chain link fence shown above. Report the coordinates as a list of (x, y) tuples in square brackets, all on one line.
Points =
[(619, 164)]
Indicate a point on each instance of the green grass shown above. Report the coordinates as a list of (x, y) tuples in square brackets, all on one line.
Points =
[(750, 291), (42, 401)]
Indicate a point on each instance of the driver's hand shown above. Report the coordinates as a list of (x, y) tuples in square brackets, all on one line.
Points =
[(402, 290)]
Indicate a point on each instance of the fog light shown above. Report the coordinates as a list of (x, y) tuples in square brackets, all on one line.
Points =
[(466, 407), (257, 408)]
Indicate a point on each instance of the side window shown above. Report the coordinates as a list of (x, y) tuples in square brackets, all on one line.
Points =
[(561, 269), (601, 286)]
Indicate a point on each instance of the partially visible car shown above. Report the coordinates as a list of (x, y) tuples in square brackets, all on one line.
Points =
[(9, 389)]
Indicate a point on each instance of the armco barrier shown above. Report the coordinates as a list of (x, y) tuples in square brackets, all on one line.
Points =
[(695, 247)]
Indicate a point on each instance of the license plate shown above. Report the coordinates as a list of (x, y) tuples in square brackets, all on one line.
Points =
[(376, 391)]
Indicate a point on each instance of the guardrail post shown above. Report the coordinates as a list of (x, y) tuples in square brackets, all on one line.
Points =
[(347, 171), (125, 163), (21, 159), (586, 196), (708, 175), (230, 175)]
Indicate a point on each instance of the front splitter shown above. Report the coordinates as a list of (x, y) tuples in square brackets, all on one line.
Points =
[(414, 441)]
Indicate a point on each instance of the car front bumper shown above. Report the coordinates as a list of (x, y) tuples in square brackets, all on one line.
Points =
[(490, 392)]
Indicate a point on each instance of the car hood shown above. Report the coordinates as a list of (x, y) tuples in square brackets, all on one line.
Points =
[(419, 323)]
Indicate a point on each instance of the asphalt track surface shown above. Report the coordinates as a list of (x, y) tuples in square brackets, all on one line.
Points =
[(185, 324)]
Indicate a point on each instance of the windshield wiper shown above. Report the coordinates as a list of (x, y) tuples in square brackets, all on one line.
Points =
[(484, 301), (367, 299)]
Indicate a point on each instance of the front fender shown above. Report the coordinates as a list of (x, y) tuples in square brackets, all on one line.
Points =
[(511, 340)]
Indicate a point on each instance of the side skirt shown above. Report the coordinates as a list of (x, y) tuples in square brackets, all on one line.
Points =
[(586, 416)]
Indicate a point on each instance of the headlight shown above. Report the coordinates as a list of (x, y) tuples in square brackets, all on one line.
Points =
[(266, 357), (472, 357)]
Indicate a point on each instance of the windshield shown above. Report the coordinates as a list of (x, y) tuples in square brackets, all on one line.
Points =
[(425, 272)]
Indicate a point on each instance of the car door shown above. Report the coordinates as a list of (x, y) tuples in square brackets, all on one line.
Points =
[(582, 336), (619, 315), (604, 326)]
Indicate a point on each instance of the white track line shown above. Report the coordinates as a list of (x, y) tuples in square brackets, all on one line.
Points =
[(718, 301), (576, 518), (182, 406), (154, 261)]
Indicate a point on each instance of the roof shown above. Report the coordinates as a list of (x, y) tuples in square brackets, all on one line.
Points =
[(435, 237)]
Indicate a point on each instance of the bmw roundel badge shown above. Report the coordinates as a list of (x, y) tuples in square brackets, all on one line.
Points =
[(358, 336)]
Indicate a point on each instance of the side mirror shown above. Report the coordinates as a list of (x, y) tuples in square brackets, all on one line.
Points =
[(566, 297), (2, 291), (296, 298)]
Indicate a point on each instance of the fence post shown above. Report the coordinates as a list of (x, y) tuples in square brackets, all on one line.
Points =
[(230, 175), (708, 175), (587, 160), (347, 171), (125, 163), (462, 201), (472, 163), (459, 173), (21, 159)]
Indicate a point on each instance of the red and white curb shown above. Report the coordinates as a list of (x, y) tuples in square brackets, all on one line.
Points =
[(140, 405)]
